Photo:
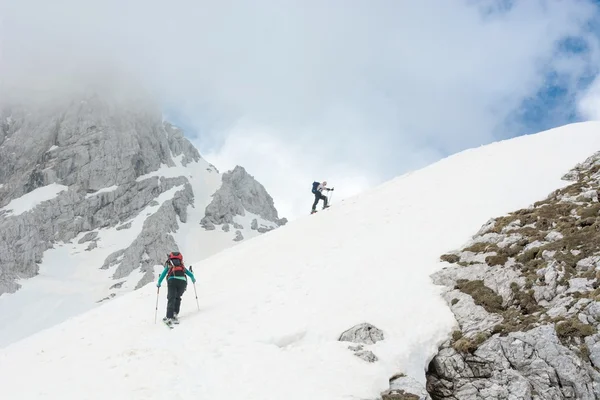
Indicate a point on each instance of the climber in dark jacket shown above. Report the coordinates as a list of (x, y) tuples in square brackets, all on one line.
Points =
[(318, 192)]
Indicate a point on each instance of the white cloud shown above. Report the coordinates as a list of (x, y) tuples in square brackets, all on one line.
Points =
[(589, 103), (349, 91)]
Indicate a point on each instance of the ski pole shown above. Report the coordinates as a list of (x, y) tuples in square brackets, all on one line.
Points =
[(156, 310), (195, 293)]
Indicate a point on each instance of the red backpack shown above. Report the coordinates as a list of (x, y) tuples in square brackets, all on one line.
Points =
[(176, 264)]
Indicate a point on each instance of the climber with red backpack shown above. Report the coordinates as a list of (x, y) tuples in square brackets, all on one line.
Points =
[(176, 272)]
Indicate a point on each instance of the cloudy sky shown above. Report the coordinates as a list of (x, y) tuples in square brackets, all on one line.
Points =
[(353, 92)]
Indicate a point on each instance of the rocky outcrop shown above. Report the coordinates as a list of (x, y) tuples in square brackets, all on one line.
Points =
[(238, 236), (526, 295), (85, 146), (155, 240), (100, 153), (362, 333), (89, 143), (239, 193), (403, 387)]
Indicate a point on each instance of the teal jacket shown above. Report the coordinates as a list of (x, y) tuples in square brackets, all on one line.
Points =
[(183, 278)]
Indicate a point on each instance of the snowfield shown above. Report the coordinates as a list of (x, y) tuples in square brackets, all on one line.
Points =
[(32, 199), (70, 280), (272, 308)]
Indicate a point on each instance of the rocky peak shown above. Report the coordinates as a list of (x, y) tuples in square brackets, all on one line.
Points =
[(97, 164), (90, 143), (238, 194), (526, 294)]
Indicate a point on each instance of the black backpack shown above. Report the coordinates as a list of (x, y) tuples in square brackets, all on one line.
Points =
[(315, 185)]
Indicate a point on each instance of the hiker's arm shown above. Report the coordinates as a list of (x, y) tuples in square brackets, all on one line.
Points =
[(190, 274), (162, 276)]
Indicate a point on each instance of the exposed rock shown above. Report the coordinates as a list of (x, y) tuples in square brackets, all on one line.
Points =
[(264, 229), (225, 227), (107, 298), (399, 394), (403, 387), (124, 226), (239, 193), (366, 355), (254, 224), (87, 146), (362, 333), (155, 240), (117, 285), (209, 226), (238, 236), (515, 366), (526, 294), (238, 226), (88, 237), (100, 152)]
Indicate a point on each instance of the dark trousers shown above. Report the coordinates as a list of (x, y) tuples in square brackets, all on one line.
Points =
[(319, 196), (176, 288)]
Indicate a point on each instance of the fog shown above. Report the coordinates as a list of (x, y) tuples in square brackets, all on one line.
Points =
[(352, 92)]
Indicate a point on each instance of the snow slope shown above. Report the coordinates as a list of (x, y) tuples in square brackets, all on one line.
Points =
[(272, 308), (34, 198), (70, 280)]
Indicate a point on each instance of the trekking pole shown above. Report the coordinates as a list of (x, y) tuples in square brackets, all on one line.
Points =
[(195, 293), (156, 310)]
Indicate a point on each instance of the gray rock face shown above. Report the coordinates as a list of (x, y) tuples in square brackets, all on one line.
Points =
[(239, 193), (363, 333), (86, 146), (238, 236), (515, 366), (90, 144), (366, 355), (403, 387), (99, 151), (525, 295), (155, 240), (88, 237)]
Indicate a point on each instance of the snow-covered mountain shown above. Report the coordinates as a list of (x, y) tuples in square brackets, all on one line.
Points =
[(93, 194), (331, 306)]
